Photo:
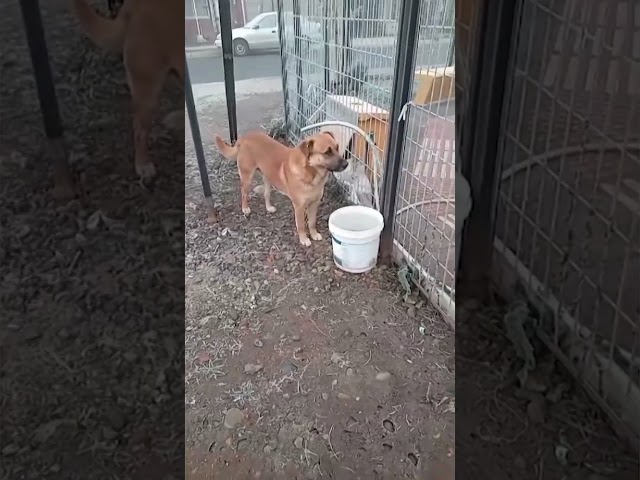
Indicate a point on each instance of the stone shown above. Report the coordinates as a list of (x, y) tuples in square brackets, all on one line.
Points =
[(383, 376), (233, 418), (298, 442)]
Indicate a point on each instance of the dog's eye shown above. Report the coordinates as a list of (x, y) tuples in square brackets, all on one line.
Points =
[(329, 151)]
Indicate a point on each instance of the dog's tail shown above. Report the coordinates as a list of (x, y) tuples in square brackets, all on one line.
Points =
[(106, 33), (229, 152)]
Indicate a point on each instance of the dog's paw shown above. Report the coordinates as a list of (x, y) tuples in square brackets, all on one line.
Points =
[(246, 211), (316, 236), (305, 242), (146, 171), (271, 209)]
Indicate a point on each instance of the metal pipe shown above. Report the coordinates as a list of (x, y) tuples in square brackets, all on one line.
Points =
[(479, 134), (194, 125), (297, 51), (47, 98), (227, 61), (403, 76), (283, 63)]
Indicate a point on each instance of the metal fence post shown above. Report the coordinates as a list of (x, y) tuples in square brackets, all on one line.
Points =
[(32, 19), (194, 125), (480, 131), (283, 61), (297, 49), (227, 60), (403, 76)]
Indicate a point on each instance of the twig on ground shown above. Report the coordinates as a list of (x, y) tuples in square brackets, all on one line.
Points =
[(333, 452), (318, 328), (370, 355)]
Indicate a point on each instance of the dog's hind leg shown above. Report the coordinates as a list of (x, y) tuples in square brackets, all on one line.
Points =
[(267, 195)]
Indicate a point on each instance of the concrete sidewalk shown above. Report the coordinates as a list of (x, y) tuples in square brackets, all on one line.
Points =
[(202, 51), (214, 92)]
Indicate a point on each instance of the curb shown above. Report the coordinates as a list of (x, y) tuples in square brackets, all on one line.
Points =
[(202, 52)]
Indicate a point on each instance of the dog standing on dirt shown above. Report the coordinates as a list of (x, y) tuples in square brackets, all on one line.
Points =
[(148, 34), (300, 172)]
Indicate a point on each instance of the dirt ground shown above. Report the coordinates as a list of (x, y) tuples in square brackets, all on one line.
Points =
[(91, 293), (547, 429), (294, 369)]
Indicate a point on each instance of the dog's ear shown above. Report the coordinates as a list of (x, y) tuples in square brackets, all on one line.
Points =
[(307, 147), (330, 134)]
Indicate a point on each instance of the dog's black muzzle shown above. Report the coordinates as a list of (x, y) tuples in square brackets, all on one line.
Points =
[(341, 166)]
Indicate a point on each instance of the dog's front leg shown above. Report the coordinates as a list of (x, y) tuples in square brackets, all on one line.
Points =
[(145, 75), (299, 210), (312, 214)]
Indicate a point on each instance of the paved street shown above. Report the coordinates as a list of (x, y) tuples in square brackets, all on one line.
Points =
[(209, 69), (376, 53)]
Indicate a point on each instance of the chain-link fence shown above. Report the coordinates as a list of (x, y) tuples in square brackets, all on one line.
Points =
[(567, 232), (339, 63)]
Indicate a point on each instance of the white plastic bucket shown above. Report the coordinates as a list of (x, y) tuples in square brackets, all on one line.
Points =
[(355, 236)]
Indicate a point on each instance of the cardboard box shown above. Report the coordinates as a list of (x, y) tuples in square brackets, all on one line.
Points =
[(435, 85)]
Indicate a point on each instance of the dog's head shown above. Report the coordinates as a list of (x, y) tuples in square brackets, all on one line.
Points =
[(323, 151)]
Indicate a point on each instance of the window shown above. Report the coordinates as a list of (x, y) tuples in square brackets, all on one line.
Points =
[(270, 21)]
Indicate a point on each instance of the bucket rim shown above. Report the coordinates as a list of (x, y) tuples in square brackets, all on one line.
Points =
[(360, 234)]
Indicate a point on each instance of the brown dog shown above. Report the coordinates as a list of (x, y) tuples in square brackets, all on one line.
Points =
[(300, 172), (148, 33)]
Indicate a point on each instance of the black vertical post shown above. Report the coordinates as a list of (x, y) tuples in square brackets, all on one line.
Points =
[(283, 63), (479, 136), (34, 30), (194, 124), (41, 67), (297, 48), (227, 61), (402, 78)]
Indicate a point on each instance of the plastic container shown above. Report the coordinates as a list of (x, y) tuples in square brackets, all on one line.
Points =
[(355, 237), (463, 207)]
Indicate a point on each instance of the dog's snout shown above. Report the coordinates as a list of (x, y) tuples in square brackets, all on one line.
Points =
[(342, 165)]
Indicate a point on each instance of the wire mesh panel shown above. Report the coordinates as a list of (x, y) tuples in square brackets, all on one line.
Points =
[(569, 202), (425, 221), (339, 60)]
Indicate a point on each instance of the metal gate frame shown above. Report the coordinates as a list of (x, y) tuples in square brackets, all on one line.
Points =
[(481, 128), (224, 7), (395, 177)]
